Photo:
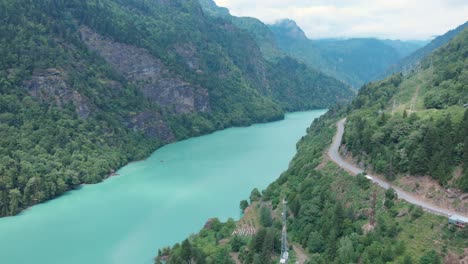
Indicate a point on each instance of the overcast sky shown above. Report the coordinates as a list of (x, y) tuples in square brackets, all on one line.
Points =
[(395, 19)]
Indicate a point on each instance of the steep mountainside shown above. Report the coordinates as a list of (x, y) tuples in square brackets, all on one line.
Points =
[(336, 218), (290, 78), (409, 62), (417, 124), (354, 61), (87, 86)]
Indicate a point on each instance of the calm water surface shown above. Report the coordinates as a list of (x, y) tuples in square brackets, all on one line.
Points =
[(156, 202)]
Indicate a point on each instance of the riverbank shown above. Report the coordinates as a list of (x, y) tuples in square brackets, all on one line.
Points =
[(330, 211), (155, 203)]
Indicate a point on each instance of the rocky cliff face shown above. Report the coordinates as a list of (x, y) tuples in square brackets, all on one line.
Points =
[(149, 74), (152, 124), (189, 54), (50, 86)]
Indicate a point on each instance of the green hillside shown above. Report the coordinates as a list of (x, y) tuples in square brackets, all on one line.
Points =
[(353, 61), (336, 218), (291, 78), (416, 124), (87, 86), (256, 28), (332, 216)]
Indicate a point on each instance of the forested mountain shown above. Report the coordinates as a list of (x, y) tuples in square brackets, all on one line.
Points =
[(257, 29), (87, 86), (354, 61), (404, 124), (417, 124), (411, 61), (280, 62)]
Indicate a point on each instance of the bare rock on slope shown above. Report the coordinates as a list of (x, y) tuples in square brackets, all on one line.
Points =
[(50, 86), (149, 74)]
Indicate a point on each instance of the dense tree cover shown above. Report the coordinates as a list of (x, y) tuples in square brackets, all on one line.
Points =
[(330, 212), (342, 219), (410, 145), (78, 131), (45, 148), (324, 219), (296, 84), (204, 247), (429, 141), (259, 31), (263, 247), (293, 83), (333, 232), (214, 243)]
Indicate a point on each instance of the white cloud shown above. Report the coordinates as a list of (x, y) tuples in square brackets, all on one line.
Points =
[(396, 19)]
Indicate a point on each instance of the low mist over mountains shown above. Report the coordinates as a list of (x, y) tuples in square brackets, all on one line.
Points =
[(354, 61)]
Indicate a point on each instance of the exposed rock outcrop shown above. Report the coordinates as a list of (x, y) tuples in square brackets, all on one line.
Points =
[(149, 74), (152, 124), (50, 86), (188, 52)]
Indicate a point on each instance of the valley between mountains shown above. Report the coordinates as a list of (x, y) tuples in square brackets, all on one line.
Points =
[(173, 131)]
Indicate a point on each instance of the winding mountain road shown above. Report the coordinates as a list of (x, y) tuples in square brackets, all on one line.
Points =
[(335, 156)]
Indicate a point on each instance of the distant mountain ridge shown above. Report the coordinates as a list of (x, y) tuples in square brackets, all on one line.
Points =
[(354, 61), (409, 62)]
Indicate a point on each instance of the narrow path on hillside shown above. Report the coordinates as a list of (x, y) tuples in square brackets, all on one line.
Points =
[(414, 99), (335, 156)]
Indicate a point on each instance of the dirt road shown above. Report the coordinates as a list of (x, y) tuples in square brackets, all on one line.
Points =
[(335, 156)]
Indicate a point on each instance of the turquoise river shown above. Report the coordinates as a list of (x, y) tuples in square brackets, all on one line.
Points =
[(155, 202)]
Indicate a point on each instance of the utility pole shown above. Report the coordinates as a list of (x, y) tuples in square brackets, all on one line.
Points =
[(284, 236)]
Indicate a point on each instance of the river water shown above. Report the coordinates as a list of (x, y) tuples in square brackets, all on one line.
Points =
[(155, 202)]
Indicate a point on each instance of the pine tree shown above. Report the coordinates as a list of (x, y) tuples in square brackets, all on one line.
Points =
[(186, 251)]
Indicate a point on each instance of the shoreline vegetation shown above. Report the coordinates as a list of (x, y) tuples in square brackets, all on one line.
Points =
[(88, 86), (115, 171), (415, 123), (373, 225), (116, 174)]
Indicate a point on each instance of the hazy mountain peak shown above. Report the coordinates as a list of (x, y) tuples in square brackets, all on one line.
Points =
[(289, 28), (211, 8)]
